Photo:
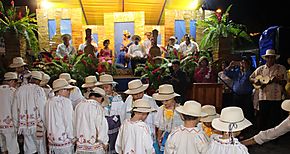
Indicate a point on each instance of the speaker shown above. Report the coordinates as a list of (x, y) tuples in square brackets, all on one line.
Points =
[(283, 45)]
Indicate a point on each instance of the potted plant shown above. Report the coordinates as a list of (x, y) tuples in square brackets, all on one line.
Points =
[(219, 32), (19, 31)]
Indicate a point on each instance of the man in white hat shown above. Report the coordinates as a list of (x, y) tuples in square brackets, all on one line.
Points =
[(65, 48), (8, 134), (59, 119), (171, 48), (188, 46), (90, 83), (271, 93), (91, 125), (137, 91), (188, 138), (28, 114), (273, 133), (115, 111), (76, 95), (21, 69), (137, 52), (167, 118), (230, 123), (134, 135)]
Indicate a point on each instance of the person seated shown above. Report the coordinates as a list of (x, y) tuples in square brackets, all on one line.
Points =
[(203, 73), (106, 53), (123, 58), (171, 50), (188, 46), (137, 52), (65, 48), (90, 46)]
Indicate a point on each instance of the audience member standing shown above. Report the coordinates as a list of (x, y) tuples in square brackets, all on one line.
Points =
[(271, 93), (8, 134), (65, 48)]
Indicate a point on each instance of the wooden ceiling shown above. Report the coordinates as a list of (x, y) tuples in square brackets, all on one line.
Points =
[(93, 10)]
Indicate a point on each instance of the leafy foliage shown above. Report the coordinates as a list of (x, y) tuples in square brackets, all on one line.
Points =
[(24, 25), (218, 25)]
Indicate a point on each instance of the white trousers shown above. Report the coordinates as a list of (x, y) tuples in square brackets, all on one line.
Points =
[(8, 142), (32, 145), (67, 150)]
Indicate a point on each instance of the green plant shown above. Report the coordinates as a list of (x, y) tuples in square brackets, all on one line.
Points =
[(23, 25), (218, 25)]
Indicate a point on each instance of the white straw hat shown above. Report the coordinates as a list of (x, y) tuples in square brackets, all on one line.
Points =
[(90, 81), (286, 105), (67, 77), (60, 84), (102, 93), (17, 62), (36, 75), (10, 76), (231, 120), (45, 79), (270, 52), (211, 113), (106, 79), (165, 92), (142, 105), (191, 108), (135, 87)]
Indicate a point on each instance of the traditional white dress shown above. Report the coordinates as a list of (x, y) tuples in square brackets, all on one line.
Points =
[(150, 118), (184, 140), (59, 122), (91, 127), (28, 112), (223, 146), (134, 138), (76, 96), (8, 135)]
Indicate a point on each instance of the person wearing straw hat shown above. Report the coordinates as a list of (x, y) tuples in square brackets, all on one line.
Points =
[(29, 114), (122, 59), (270, 94), (8, 134), (90, 82), (188, 138), (59, 116), (76, 95), (273, 133), (115, 110), (230, 123), (166, 118), (44, 84), (137, 52), (136, 90), (135, 130), (171, 50), (65, 48), (206, 121), (91, 125), (20, 68)]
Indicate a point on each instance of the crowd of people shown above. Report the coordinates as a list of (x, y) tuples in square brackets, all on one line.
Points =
[(65, 119)]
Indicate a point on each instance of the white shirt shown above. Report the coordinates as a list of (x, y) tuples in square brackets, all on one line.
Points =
[(62, 50), (134, 137), (91, 126), (147, 45), (167, 124), (6, 121), (29, 109), (136, 50), (118, 107), (150, 118), (76, 96), (186, 141), (224, 146), (272, 91), (59, 122), (186, 49), (273, 133)]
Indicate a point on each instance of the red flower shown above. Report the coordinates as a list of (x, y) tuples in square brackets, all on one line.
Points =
[(84, 62), (156, 70), (80, 53), (19, 15), (57, 58), (90, 56), (65, 58), (146, 67), (158, 77), (12, 3)]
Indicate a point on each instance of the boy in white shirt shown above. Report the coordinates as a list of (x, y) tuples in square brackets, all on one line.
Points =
[(134, 135), (230, 123), (188, 138)]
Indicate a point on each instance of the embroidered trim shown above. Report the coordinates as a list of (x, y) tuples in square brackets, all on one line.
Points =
[(90, 147)]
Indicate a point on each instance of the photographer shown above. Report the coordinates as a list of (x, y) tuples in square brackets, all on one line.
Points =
[(239, 72)]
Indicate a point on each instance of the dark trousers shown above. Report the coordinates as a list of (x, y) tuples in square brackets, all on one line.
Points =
[(270, 114), (246, 104)]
